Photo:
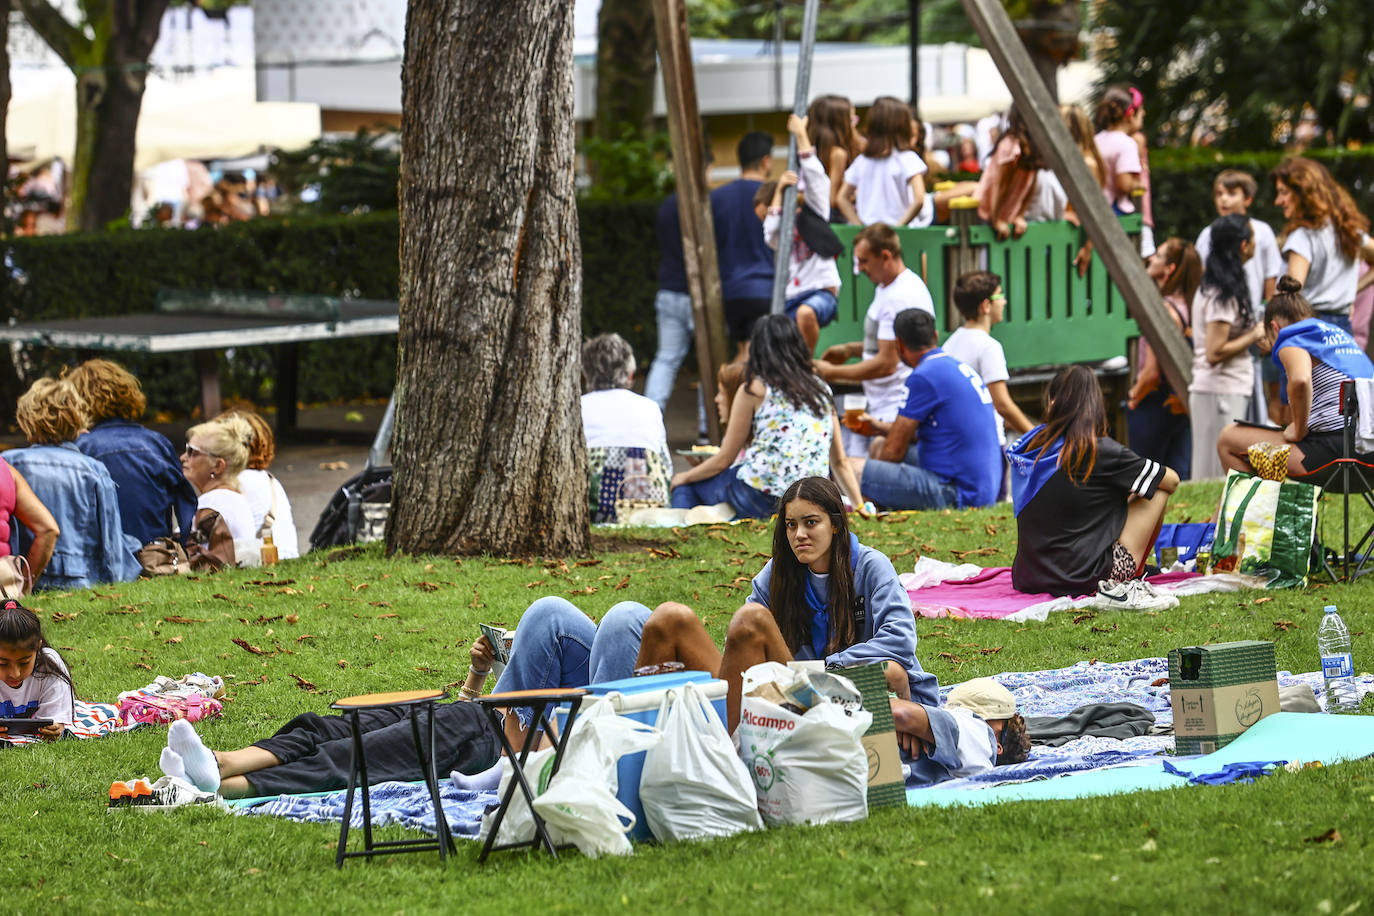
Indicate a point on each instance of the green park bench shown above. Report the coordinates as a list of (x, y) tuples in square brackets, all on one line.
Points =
[(1053, 316)]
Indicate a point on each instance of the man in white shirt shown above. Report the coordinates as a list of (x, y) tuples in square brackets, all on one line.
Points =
[(979, 298), (880, 367)]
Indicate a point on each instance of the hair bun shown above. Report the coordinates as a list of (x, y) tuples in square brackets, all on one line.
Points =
[(1288, 284)]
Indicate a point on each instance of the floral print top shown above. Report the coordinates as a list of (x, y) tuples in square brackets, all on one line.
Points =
[(789, 443)]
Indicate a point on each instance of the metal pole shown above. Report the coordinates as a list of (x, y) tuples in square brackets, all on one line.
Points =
[(789, 196), (913, 12), (777, 54), (693, 201), (1052, 141)]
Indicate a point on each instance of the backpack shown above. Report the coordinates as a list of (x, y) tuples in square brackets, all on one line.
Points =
[(342, 518)]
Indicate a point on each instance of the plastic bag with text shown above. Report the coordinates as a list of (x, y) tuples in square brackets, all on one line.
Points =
[(694, 784)]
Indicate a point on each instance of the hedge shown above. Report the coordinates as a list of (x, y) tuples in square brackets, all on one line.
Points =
[(114, 273), (120, 272)]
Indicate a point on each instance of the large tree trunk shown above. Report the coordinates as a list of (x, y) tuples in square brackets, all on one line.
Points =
[(626, 61), (489, 454), (5, 90)]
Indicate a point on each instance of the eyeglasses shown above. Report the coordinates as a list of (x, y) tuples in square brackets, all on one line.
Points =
[(193, 451), (1001, 299)]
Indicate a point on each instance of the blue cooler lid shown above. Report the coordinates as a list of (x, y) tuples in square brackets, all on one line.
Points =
[(632, 685)]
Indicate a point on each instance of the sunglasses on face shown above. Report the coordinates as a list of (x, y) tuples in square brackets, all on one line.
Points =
[(193, 451)]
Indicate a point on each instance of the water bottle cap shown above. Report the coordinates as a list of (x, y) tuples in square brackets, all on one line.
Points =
[(1330, 609)]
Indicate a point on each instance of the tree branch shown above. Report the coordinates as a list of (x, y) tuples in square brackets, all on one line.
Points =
[(64, 38)]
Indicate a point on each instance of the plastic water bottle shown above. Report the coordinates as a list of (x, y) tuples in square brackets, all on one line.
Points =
[(1333, 642)]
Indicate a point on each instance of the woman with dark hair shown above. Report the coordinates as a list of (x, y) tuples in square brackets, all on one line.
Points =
[(785, 414), (1324, 237), (34, 681), (1118, 118), (1087, 508), (1314, 358), (1224, 327)]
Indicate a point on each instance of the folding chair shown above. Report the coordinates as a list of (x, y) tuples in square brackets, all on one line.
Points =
[(1348, 475)]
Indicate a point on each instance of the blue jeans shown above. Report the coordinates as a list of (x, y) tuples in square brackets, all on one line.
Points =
[(725, 487), (675, 330), (822, 302), (556, 645), (906, 485), (1155, 432), (1339, 319)]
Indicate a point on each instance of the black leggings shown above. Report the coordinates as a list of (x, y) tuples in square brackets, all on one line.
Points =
[(315, 751)]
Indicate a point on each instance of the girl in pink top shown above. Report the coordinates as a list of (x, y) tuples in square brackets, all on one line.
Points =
[(1116, 124), (1008, 180)]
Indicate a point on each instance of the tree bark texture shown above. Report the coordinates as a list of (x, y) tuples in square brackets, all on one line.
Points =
[(626, 63), (5, 90), (489, 454), (108, 52)]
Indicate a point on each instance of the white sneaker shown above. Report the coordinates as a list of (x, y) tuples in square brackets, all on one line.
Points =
[(167, 793), (1135, 595)]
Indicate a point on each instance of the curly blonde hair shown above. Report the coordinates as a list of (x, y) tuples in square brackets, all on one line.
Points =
[(51, 412), (263, 448), (110, 390), (228, 437)]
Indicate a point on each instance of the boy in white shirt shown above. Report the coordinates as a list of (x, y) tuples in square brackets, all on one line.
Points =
[(1233, 191), (978, 297), (813, 280)]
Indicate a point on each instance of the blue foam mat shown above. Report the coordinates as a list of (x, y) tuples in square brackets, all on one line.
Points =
[(1282, 736)]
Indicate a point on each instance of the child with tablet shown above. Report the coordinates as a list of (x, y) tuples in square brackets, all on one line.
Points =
[(34, 682)]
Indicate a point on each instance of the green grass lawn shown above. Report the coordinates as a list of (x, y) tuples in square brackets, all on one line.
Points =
[(318, 630)]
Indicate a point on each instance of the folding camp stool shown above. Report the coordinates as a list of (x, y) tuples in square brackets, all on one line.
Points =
[(541, 702), (1348, 475), (416, 700)]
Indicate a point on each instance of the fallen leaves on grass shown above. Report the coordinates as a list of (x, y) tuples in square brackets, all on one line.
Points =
[(304, 636), (961, 555), (361, 586), (303, 684), (669, 554), (621, 584), (342, 663), (245, 646), (426, 586), (1331, 836), (58, 616), (589, 590), (173, 641), (595, 561), (1082, 617), (143, 666), (177, 619), (1105, 629), (535, 584), (476, 599), (1284, 625), (125, 609)]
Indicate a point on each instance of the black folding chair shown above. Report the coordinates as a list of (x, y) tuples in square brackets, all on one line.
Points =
[(1347, 475)]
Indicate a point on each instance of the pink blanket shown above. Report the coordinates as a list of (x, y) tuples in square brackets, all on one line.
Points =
[(990, 595)]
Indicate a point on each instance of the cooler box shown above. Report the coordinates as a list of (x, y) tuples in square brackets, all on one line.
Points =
[(638, 698)]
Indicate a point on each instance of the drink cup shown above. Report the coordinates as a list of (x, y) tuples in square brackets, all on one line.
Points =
[(854, 406)]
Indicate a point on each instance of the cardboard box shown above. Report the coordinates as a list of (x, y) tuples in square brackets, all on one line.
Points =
[(886, 786), (1219, 691)]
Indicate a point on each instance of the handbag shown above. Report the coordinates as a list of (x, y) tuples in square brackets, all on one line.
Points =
[(14, 576), (165, 556), (212, 545), (1266, 528)]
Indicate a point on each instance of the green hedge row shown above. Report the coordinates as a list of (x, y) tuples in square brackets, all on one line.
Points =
[(114, 273)]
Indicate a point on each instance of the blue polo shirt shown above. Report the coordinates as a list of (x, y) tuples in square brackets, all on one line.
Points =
[(746, 261), (957, 435)]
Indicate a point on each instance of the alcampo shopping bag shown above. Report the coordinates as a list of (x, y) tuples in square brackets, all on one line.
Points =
[(1266, 528), (807, 768), (694, 784)]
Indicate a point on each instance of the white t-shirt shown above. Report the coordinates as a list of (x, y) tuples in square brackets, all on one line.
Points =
[(39, 697), (1331, 276), (234, 509), (257, 487), (1235, 375), (979, 350), (619, 417), (882, 187), (885, 395), (1048, 200), (1266, 263)]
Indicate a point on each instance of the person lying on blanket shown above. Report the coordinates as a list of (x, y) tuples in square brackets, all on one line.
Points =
[(977, 728), (34, 681), (1088, 509), (312, 753), (823, 595)]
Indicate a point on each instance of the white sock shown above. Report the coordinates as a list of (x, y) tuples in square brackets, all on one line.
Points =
[(486, 781), (172, 764), (202, 769)]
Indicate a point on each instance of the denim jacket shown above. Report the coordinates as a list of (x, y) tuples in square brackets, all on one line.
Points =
[(78, 491), (147, 476)]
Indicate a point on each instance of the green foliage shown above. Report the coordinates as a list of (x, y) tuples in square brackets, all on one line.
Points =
[(620, 271), (628, 167), (1243, 70), (367, 623), (356, 174)]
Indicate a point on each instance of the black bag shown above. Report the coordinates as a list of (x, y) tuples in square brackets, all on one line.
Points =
[(342, 518), (817, 234)]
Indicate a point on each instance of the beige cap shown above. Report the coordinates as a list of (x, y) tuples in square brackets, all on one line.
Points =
[(984, 697)]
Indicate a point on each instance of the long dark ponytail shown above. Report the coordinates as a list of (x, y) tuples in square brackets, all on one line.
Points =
[(777, 354), (21, 628), (1074, 409), (787, 590), (1224, 275)]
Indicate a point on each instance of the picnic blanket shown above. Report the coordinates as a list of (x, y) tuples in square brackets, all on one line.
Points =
[(405, 803), (939, 589), (92, 720)]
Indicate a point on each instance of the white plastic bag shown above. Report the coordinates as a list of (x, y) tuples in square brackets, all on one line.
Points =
[(694, 784), (579, 806), (808, 768), (518, 826)]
